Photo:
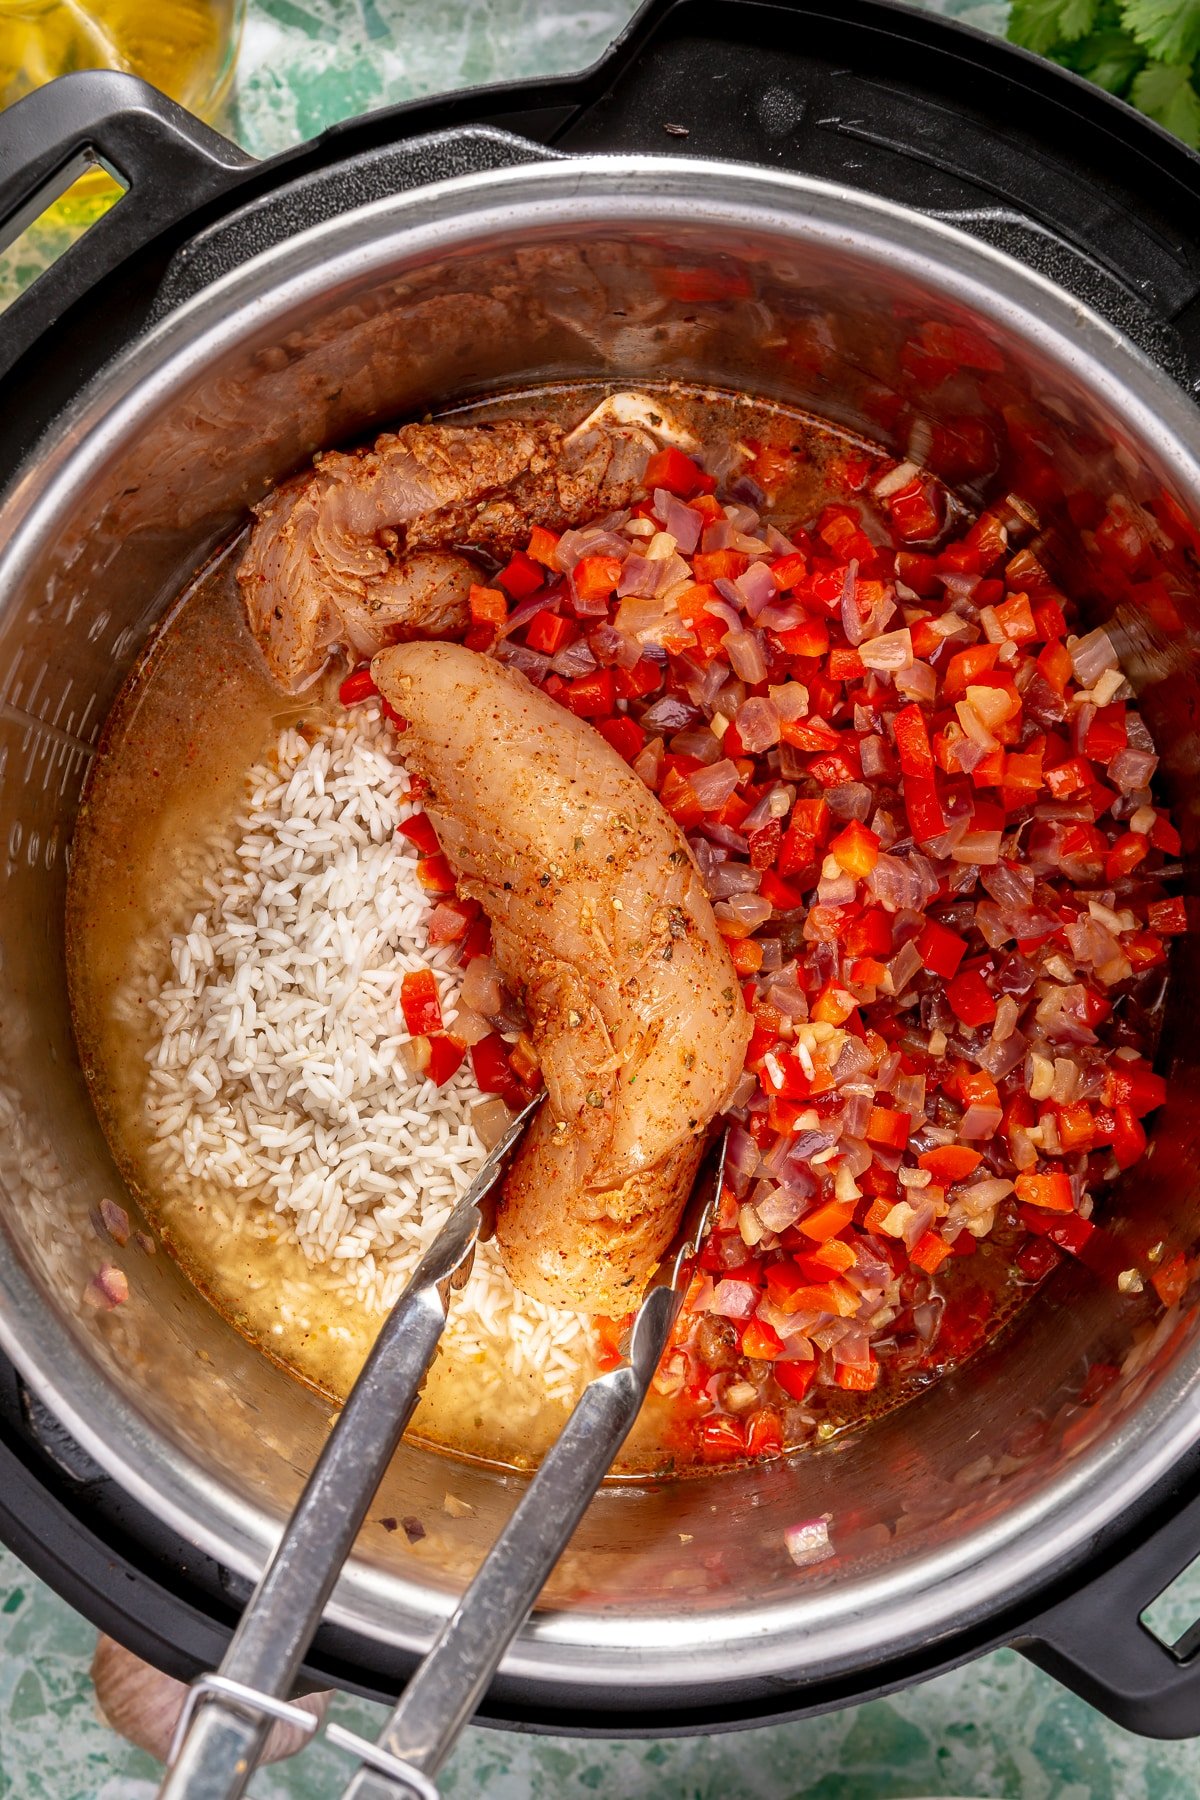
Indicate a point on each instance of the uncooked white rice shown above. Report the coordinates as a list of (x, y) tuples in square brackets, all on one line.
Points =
[(276, 1072)]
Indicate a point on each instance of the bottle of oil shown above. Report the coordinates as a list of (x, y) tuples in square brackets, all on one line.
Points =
[(185, 47)]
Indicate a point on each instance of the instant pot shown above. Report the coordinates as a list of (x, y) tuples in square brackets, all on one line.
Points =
[(779, 197)]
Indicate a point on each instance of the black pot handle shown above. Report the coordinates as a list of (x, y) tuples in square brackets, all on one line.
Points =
[(168, 161), (1095, 1643)]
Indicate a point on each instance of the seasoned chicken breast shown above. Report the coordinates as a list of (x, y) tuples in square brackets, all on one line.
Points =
[(361, 550), (600, 921)]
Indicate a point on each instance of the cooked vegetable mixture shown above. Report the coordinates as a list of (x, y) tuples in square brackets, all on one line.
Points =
[(920, 798)]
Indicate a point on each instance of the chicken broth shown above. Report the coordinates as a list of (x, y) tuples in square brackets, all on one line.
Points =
[(169, 783)]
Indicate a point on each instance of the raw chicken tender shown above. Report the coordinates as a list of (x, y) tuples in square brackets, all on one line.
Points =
[(362, 550), (601, 923)]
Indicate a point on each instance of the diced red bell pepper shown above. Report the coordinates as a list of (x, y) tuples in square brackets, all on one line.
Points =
[(494, 1072), (970, 999), (859, 1378), (420, 1004), (1127, 852), (671, 469), (644, 678), (358, 685), (833, 1257), (1106, 734), (446, 1056), (435, 875), (856, 849), (795, 1378), (948, 1163), (596, 577), (1051, 1191), (548, 632), (722, 1439), (764, 844), (761, 1341), (624, 734), (915, 513), (1135, 1085), (1171, 1279), (892, 1129), (828, 1220), (786, 571), (1167, 917), (1129, 1138), (746, 955), (542, 546), (764, 1434), (781, 894), (940, 949), (1016, 620), (930, 1252), (521, 576), (451, 920), (488, 605), (913, 746), (811, 639), (592, 696), (418, 829)]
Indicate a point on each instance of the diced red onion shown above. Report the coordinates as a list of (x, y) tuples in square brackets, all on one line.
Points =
[(849, 800), (733, 878), (756, 586), (713, 786), (108, 1288), (682, 521), (530, 662), (836, 890), (892, 650), (780, 616), (852, 623), (727, 838), (979, 1122), (528, 609), (808, 1543), (746, 909), (791, 699), (1001, 1057), (908, 1091), (482, 988), (640, 576), (758, 725), (917, 683), (781, 1208), (745, 652), (648, 763), (733, 1299), (1132, 769), (669, 713), (574, 659), (977, 847), (1091, 655), (592, 541)]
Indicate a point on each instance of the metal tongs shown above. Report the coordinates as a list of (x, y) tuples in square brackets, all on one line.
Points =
[(225, 1721)]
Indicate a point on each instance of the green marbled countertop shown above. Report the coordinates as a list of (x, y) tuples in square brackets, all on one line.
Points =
[(998, 1728)]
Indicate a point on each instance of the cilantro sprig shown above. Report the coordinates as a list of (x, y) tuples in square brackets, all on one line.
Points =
[(1147, 51)]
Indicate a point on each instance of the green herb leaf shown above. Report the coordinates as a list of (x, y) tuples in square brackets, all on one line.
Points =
[(1164, 92), (1044, 25), (1170, 29), (1109, 58)]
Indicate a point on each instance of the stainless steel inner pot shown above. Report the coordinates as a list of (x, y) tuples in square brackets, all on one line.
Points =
[(961, 1503)]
